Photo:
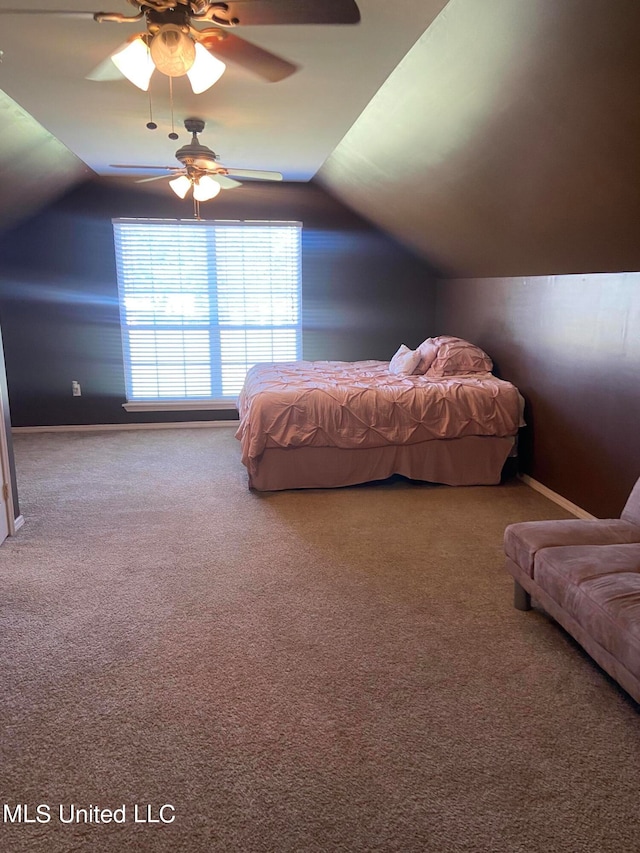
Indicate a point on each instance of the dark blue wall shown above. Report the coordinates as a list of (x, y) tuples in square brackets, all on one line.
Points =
[(362, 293)]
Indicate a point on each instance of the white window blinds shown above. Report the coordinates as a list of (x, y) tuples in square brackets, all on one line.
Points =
[(202, 301)]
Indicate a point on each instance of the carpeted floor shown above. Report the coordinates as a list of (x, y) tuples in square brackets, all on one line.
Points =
[(309, 671)]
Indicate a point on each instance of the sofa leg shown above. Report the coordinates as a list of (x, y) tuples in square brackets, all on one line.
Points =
[(521, 598)]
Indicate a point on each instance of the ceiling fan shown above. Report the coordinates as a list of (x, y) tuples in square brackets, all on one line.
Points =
[(176, 47), (201, 170)]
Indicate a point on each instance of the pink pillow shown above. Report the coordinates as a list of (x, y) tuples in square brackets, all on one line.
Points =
[(404, 361), (456, 355), (428, 351)]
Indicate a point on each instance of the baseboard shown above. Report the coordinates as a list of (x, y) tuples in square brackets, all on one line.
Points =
[(555, 497), (109, 427), (17, 523)]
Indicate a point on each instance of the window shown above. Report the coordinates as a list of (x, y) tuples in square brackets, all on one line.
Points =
[(201, 302)]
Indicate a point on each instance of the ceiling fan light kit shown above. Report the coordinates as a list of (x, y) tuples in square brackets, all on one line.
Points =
[(172, 50), (174, 53), (134, 62), (205, 188), (205, 71), (180, 185)]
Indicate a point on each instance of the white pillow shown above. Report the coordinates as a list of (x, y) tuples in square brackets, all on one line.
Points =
[(405, 361)]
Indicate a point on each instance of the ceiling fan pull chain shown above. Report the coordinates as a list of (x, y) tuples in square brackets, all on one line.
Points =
[(151, 123), (173, 134)]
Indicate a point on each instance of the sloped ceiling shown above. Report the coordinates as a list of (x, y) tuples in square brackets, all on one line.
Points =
[(34, 166), (507, 142)]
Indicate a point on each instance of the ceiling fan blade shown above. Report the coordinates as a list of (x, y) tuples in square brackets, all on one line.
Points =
[(257, 174), (224, 45), (225, 182), (57, 12), (155, 178), (250, 13), (139, 167)]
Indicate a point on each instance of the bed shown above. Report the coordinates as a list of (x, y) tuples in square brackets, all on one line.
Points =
[(436, 413)]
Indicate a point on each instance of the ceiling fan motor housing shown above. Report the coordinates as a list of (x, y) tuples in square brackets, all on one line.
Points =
[(194, 125), (194, 154), (156, 19)]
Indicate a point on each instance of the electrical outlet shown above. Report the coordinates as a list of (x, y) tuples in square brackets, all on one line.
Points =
[(76, 390)]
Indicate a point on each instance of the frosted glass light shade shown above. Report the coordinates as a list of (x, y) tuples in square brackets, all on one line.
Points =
[(173, 51), (180, 185), (205, 189), (205, 71), (134, 61)]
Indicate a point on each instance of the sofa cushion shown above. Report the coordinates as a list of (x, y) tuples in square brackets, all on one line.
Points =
[(600, 588), (524, 539)]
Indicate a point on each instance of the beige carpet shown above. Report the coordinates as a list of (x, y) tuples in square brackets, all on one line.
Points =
[(299, 671)]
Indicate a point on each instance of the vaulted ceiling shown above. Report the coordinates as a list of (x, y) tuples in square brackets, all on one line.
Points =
[(492, 137)]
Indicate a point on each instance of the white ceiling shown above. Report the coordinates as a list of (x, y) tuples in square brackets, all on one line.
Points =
[(291, 126)]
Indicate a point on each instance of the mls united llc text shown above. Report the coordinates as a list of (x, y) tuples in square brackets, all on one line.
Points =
[(71, 813)]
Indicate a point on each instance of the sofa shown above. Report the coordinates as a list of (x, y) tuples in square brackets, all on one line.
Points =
[(586, 575)]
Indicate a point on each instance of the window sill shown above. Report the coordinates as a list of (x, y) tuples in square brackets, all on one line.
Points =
[(179, 406)]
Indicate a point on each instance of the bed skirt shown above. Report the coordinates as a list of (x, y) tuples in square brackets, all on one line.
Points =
[(470, 461)]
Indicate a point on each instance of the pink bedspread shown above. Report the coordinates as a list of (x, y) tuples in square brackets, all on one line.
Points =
[(361, 404)]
